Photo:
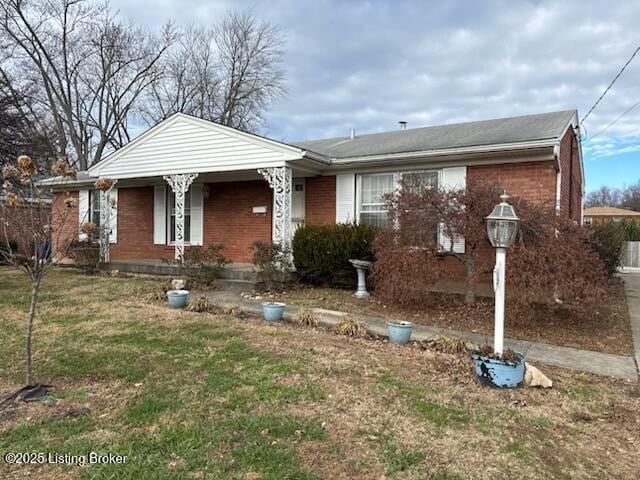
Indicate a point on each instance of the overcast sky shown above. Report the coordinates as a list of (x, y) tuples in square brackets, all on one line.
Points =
[(367, 65)]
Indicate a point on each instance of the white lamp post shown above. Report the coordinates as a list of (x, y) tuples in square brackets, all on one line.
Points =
[(502, 227)]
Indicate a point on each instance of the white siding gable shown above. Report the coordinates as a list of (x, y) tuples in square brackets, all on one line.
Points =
[(184, 144)]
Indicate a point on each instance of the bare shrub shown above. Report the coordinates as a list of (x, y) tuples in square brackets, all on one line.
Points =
[(551, 259)]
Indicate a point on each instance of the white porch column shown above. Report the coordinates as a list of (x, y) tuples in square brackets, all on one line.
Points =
[(105, 222), (279, 179), (180, 184)]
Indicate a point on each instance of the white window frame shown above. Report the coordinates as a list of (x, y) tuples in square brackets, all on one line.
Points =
[(168, 205), (397, 177)]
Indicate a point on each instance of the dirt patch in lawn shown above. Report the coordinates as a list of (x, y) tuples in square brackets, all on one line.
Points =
[(605, 329)]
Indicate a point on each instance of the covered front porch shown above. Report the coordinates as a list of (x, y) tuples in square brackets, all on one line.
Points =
[(189, 183)]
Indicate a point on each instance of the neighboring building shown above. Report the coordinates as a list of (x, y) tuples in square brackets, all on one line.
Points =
[(247, 188), (600, 215)]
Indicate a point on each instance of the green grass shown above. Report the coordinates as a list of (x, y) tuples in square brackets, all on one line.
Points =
[(438, 413), (186, 395)]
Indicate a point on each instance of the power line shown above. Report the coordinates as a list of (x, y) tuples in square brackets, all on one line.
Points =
[(611, 84), (618, 118)]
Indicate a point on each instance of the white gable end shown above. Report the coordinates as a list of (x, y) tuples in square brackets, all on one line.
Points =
[(183, 144)]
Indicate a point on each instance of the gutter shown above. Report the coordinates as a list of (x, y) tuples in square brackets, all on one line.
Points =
[(556, 154), (447, 151)]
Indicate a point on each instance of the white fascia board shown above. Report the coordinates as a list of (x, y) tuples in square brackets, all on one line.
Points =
[(522, 156), (274, 145), (212, 169), (467, 151)]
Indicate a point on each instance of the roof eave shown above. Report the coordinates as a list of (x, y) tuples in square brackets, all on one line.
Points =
[(458, 151)]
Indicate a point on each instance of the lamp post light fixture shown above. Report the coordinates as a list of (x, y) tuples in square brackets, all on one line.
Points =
[(502, 227)]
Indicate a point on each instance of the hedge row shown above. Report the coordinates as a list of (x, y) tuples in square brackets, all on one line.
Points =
[(321, 253)]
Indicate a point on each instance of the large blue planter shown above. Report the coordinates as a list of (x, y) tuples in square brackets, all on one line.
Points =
[(497, 373), (178, 298), (399, 332), (273, 311)]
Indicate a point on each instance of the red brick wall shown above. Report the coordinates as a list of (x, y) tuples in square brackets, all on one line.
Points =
[(571, 181), (535, 181), (228, 216), (227, 219), (64, 220), (320, 200), (135, 227)]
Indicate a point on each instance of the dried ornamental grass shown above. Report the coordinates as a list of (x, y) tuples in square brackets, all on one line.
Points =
[(234, 311), (350, 327), (450, 344), (200, 305), (306, 318)]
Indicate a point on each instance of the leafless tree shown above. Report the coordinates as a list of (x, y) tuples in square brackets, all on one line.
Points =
[(19, 134), (90, 68), (32, 229), (228, 74), (604, 196), (631, 197)]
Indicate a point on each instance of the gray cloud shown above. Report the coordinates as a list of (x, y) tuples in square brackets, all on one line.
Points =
[(367, 65)]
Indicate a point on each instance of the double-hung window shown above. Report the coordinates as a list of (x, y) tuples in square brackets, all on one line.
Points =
[(171, 216), (373, 188)]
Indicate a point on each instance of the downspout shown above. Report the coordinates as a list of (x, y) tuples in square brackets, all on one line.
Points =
[(556, 154), (571, 175)]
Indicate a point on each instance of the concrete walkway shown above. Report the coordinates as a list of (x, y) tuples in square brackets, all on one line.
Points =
[(631, 281), (594, 362)]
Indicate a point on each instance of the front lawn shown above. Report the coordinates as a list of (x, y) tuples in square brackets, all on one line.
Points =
[(187, 395), (605, 329)]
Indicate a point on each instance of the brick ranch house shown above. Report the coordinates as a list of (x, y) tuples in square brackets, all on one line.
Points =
[(600, 215), (239, 188)]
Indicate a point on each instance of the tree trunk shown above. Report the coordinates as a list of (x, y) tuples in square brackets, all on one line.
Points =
[(470, 283), (35, 287)]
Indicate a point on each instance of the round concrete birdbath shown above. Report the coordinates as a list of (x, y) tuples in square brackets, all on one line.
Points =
[(361, 266)]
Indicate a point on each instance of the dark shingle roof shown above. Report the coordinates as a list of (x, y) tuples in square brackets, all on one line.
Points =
[(544, 126)]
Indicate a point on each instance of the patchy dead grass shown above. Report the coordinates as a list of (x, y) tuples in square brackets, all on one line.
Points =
[(606, 329), (200, 395)]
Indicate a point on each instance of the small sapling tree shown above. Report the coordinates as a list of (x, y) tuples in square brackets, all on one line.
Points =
[(43, 231)]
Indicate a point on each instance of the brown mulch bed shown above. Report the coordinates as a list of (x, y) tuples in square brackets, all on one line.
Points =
[(606, 329)]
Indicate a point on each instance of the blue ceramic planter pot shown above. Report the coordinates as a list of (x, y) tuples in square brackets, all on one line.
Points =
[(178, 298), (399, 332), (273, 311), (497, 373)]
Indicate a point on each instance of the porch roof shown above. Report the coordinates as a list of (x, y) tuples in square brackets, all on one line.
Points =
[(186, 144)]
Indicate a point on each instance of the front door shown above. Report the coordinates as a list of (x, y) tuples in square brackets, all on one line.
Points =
[(297, 204)]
